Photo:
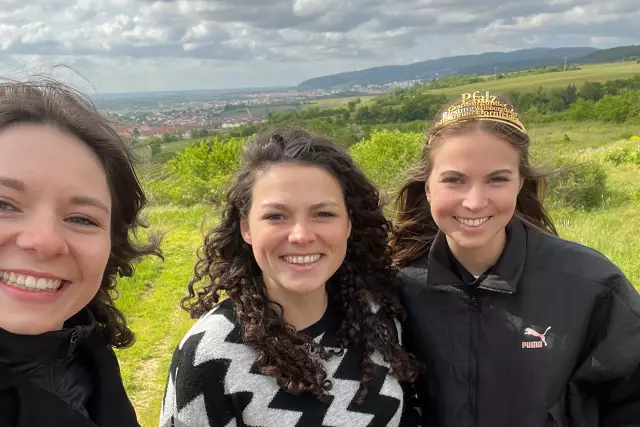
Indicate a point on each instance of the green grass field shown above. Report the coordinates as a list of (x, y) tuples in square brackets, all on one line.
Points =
[(588, 73), (151, 298), (325, 104)]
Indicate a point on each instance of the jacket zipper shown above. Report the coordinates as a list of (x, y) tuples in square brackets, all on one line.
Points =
[(73, 340), (474, 305)]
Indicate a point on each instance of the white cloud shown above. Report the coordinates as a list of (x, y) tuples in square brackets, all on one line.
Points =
[(125, 45)]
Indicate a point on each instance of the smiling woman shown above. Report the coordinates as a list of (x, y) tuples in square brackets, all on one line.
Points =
[(69, 202), (308, 335), (503, 312)]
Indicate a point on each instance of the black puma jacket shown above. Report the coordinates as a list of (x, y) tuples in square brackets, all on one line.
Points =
[(549, 336)]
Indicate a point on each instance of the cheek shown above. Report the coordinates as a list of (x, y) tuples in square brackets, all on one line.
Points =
[(93, 255), (264, 243), (444, 201), (506, 201)]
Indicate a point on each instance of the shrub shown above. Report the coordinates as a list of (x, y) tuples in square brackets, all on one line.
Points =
[(387, 155), (199, 173), (629, 154), (578, 185)]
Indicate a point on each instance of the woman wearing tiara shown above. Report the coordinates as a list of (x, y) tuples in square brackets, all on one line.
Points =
[(516, 326)]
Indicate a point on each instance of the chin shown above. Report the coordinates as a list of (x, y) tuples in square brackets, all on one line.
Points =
[(303, 288), (470, 243), (28, 328)]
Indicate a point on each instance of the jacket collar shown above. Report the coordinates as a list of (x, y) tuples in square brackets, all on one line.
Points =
[(502, 277), (17, 350)]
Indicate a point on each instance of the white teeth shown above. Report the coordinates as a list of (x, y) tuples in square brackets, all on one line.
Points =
[(30, 283), (42, 283), (307, 259), (472, 222)]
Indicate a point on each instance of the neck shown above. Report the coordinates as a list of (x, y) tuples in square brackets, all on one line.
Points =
[(301, 311), (478, 260)]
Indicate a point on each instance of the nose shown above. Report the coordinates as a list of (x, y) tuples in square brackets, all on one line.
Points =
[(301, 233), (42, 235), (475, 199)]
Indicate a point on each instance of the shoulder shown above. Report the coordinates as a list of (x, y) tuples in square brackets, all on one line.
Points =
[(413, 273), (572, 260), (215, 325)]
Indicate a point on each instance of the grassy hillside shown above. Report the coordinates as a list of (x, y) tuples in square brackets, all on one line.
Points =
[(588, 73)]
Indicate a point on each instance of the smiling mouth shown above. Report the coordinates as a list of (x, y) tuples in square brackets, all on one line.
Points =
[(472, 222), (302, 259), (31, 283)]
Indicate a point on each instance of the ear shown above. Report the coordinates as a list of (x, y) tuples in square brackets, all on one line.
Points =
[(349, 232), (427, 191), (244, 230), (521, 183)]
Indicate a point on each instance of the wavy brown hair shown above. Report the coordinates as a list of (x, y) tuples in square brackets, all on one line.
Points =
[(414, 227), (227, 267), (46, 101)]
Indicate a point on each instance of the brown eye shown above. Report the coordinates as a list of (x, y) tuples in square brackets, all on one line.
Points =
[(81, 220), (273, 217), (6, 206)]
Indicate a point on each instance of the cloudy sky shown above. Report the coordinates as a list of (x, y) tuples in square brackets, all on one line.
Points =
[(143, 45)]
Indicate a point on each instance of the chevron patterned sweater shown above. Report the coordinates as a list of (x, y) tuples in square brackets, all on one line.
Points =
[(214, 382)]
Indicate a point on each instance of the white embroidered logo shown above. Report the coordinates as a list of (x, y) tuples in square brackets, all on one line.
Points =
[(536, 344)]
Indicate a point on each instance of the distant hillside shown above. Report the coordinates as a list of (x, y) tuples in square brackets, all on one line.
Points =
[(610, 55), (483, 63)]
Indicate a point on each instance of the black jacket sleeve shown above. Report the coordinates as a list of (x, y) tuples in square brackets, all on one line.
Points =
[(612, 365)]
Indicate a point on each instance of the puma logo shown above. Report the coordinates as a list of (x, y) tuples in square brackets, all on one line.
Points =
[(536, 344)]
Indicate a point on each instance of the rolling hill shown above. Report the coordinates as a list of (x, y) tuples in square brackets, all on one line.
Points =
[(483, 63), (613, 54)]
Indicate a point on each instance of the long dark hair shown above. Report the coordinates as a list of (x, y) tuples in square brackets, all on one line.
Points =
[(46, 101), (366, 277), (415, 228)]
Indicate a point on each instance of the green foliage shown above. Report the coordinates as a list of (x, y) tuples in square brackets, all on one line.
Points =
[(452, 81), (198, 133), (386, 155), (578, 185), (167, 138), (629, 154), (200, 173), (156, 146), (618, 108)]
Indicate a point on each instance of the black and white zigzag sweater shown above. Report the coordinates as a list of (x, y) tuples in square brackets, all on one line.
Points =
[(214, 382)]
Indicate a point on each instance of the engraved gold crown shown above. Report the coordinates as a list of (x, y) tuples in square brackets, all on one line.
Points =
[(484, 106)]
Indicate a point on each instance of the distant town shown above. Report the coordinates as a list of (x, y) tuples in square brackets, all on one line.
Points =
[(181, 114)]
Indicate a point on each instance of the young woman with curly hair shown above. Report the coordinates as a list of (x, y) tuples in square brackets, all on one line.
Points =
[(309, 334), (69, 208)]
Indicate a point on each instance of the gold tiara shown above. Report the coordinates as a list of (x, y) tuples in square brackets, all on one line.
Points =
[(484, 107)]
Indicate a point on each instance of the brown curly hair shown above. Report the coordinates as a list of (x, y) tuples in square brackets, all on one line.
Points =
[(46, 101), (415, 228), (227, 267)]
